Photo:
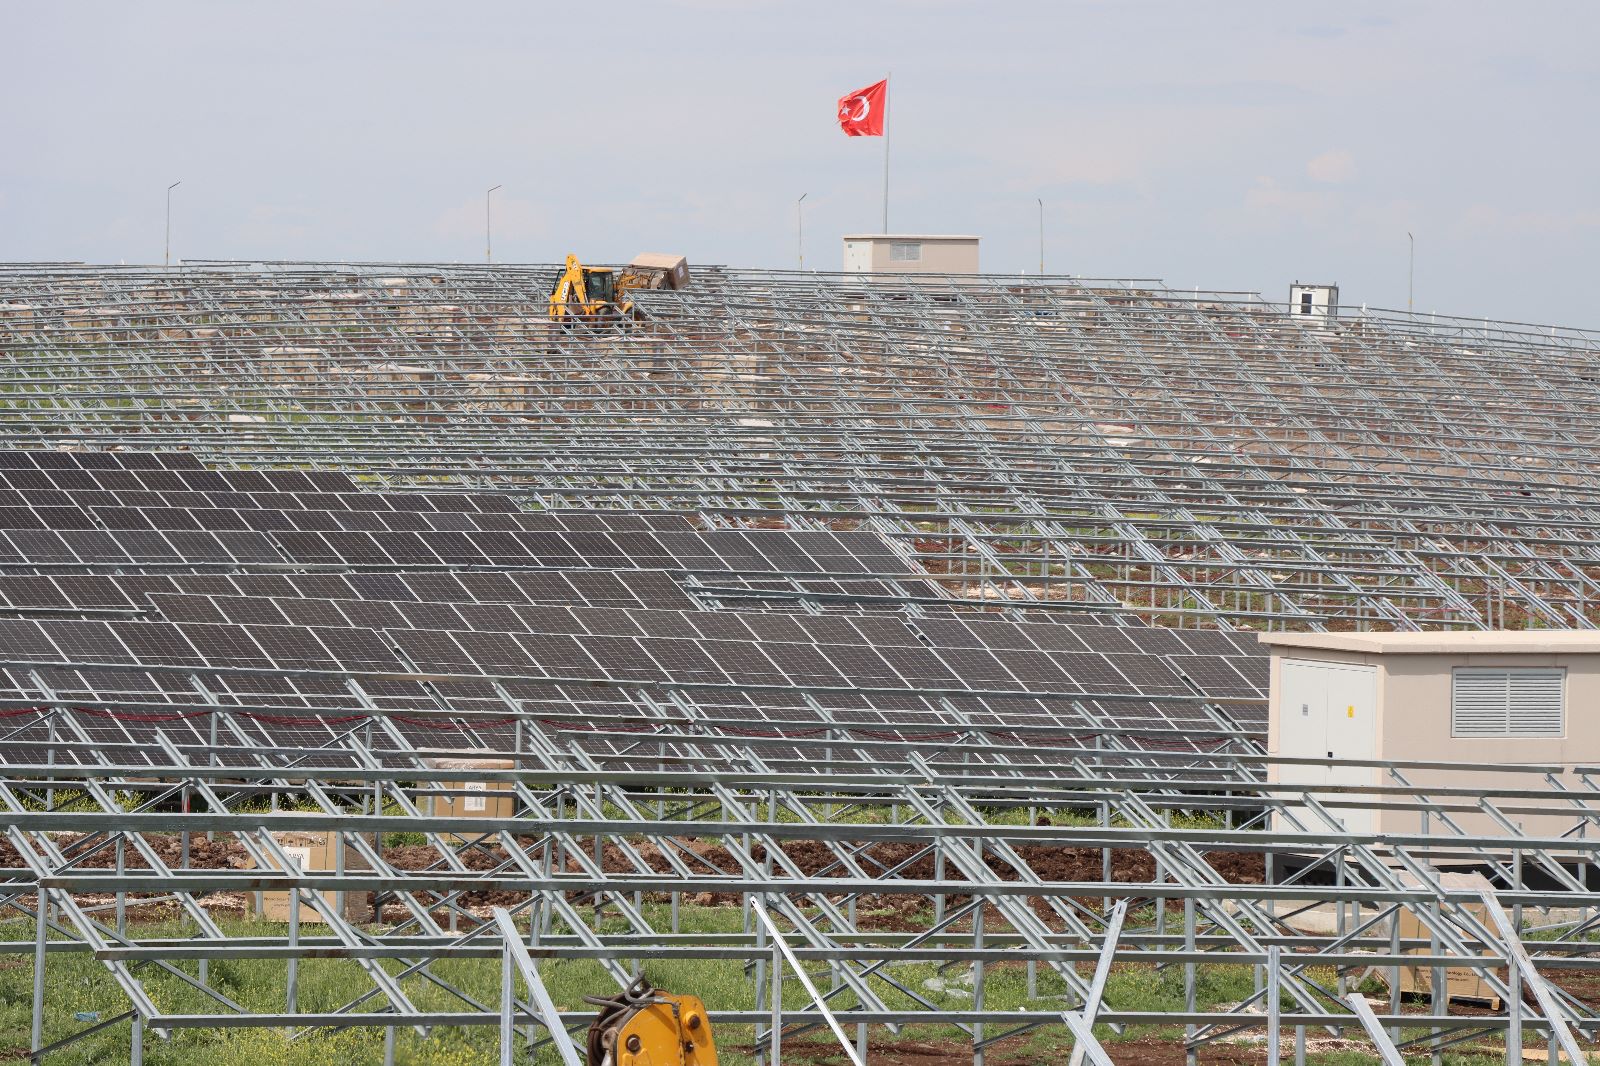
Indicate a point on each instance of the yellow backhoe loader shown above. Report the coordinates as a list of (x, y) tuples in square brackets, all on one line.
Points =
[(642, 1026), (600, 294)]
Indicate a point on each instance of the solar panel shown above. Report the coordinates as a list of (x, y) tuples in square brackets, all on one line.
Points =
[(682, 660), (87, 642), (1149, 673), (199, 546), (218, 518), (617, 610), (146, 546), (265, 585), (601, 588), (438, 588), (548, 619), (426, 615), (322, 586), (32, 591), (1213, 675), (1105, 639), (188, 609), (656, 589), (288, 481), (42, 546), (1090, 671), (291, 646), (499, 653), (1207, 642), (720, 625), (253, 610), (919, 666), (225, 644), (94, 546), (998, 634), (373, 614), (861, 665), (307, 547), (1153, 641), (607, 620), (557, 653), (357, 649), (775, 627), (743, 660), (312, 521), (90, 590), (311, 612)]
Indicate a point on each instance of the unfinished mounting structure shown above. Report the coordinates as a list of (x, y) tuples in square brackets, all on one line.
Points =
[(796, 592)]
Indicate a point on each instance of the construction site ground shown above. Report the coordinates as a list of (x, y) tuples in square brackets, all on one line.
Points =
[(1132, 987)]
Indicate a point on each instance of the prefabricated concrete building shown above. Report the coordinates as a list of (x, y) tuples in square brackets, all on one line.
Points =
[(1512, 699), (910, 253)]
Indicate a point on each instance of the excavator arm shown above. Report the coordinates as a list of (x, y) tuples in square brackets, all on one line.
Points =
[(569, 291)]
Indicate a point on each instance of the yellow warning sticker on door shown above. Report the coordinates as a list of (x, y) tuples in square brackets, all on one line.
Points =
[(1350, 711)]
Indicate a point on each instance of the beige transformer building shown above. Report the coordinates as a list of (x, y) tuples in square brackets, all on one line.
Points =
[(910, 253), (1507, 700)]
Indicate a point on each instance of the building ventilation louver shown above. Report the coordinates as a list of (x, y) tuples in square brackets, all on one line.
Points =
[(1503, 702)]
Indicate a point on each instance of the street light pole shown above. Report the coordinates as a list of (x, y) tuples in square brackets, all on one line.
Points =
[(488, 228), (800, 229), (166, 258), (1411, 272), (1041, 235)]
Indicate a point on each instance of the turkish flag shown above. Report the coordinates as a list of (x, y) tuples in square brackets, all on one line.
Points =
[(861, 113)]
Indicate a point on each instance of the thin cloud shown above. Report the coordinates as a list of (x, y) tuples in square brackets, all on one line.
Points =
[(1332, 167)]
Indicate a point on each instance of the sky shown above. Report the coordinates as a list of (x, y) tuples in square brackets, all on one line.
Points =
[(1233, 146)]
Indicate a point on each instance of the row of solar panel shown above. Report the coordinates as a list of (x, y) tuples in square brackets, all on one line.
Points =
[(442, 601), (339, 502), (765, 551), (747, 591), (833, 728), (302, 741), (25, 593), (604, 588), (292, 645), (55, 544), (47, 459)]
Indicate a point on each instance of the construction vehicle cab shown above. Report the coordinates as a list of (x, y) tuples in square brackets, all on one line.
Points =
[(582, 292)]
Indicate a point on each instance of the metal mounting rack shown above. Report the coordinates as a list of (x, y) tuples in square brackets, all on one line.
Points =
[(796, 590)]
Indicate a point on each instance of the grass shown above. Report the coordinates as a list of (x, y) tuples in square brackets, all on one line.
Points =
[(76, 983)]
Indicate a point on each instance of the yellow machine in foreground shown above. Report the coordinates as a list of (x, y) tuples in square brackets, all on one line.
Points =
[(599, 294), (645, 1027)]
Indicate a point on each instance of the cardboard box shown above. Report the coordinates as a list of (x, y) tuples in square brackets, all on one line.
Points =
[(1461, 983), (674, 269), (474, 799), (312, 852)]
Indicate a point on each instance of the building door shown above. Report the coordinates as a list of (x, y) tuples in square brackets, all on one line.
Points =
[(1328, 711)]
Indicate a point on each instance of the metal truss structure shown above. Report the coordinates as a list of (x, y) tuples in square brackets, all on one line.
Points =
[(820, 596), (1065, 443), (806, 847)]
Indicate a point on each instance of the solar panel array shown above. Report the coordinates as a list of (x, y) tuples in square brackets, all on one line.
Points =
[(299, 602), (1110, 445)]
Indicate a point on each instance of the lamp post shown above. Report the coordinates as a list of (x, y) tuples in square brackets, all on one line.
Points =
[(1041, 235), (1411, 272), (166, 258), (800, 229), (488, 227)]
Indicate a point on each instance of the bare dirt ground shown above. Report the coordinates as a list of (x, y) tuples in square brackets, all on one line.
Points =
[(1147, 1052), (810, 858)]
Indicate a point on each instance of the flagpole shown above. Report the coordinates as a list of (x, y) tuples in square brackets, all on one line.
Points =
[(886, 152)]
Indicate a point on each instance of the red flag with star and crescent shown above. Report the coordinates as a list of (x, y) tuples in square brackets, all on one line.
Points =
[(861, 113)]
